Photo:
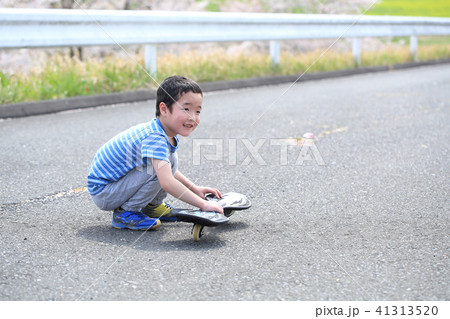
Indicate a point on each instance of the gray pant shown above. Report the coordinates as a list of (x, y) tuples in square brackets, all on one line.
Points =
[(135, 190)]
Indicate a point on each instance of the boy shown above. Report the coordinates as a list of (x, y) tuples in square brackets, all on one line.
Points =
[(133, 172)]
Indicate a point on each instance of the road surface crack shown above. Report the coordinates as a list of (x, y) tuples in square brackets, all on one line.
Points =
[(46, 198)]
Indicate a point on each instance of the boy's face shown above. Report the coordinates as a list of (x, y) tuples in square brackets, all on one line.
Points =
[(185, 115)]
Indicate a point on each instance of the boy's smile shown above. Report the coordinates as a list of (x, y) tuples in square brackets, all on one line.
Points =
[(185, 115)]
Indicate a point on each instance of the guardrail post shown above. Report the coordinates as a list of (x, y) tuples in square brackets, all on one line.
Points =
[(150, 58), (413, 43), (275, 52), (356, 50)]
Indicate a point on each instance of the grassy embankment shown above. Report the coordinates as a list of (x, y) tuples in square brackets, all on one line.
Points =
[(421, 8), (65, 77)]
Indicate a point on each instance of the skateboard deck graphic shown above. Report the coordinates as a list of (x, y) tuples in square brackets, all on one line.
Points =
[(231, 202)]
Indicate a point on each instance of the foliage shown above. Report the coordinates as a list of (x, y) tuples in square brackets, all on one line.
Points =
[(63, 76), (425, 8)]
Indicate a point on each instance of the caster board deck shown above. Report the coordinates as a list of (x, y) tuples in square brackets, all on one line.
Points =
[(230, 203)]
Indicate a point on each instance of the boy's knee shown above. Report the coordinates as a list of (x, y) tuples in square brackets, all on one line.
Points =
[(101, 203)]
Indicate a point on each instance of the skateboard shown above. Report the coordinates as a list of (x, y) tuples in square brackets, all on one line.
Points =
[(230, 203)]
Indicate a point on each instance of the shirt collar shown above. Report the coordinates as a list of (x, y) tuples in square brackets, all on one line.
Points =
[(161, 129)]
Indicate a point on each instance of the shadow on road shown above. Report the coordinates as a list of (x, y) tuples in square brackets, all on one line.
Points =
[(160, 239)]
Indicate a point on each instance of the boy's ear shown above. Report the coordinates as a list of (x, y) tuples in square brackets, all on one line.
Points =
[(163, 109)]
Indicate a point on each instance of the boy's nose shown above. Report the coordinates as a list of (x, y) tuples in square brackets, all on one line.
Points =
[(194, 117)]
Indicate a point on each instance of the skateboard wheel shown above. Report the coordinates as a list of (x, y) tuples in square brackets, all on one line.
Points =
[(228, 212), (197, 231)]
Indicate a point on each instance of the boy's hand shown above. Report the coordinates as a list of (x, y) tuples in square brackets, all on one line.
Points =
[(199, 200), (210, 206), (202, 191)]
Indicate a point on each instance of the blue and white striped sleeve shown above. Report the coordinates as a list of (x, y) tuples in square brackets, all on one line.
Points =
[(155, 146)]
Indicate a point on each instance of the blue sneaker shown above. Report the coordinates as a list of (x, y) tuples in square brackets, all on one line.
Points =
[(161, 212), (133, 220)]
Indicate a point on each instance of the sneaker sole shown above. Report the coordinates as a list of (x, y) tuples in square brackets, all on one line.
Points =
[(135, 228), (168, 219)]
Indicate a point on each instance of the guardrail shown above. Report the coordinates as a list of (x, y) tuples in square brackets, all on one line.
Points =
[(43, 28)]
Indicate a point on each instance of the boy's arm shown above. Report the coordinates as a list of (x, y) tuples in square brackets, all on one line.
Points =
[(177, 189), (184, 180), (200, 191)]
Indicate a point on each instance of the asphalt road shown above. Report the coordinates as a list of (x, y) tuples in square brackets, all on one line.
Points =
[(362, 213)]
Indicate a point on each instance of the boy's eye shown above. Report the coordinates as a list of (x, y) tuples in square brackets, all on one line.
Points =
[(198, 112)]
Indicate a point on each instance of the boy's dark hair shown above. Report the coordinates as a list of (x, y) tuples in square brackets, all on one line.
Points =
[(171, 89)]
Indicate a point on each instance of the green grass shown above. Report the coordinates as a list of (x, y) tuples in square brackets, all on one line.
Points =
[(434, 40), (214, 5), (425, 8), (65, 77)]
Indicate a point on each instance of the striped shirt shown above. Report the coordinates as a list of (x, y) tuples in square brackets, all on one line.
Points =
[(129, 150)]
